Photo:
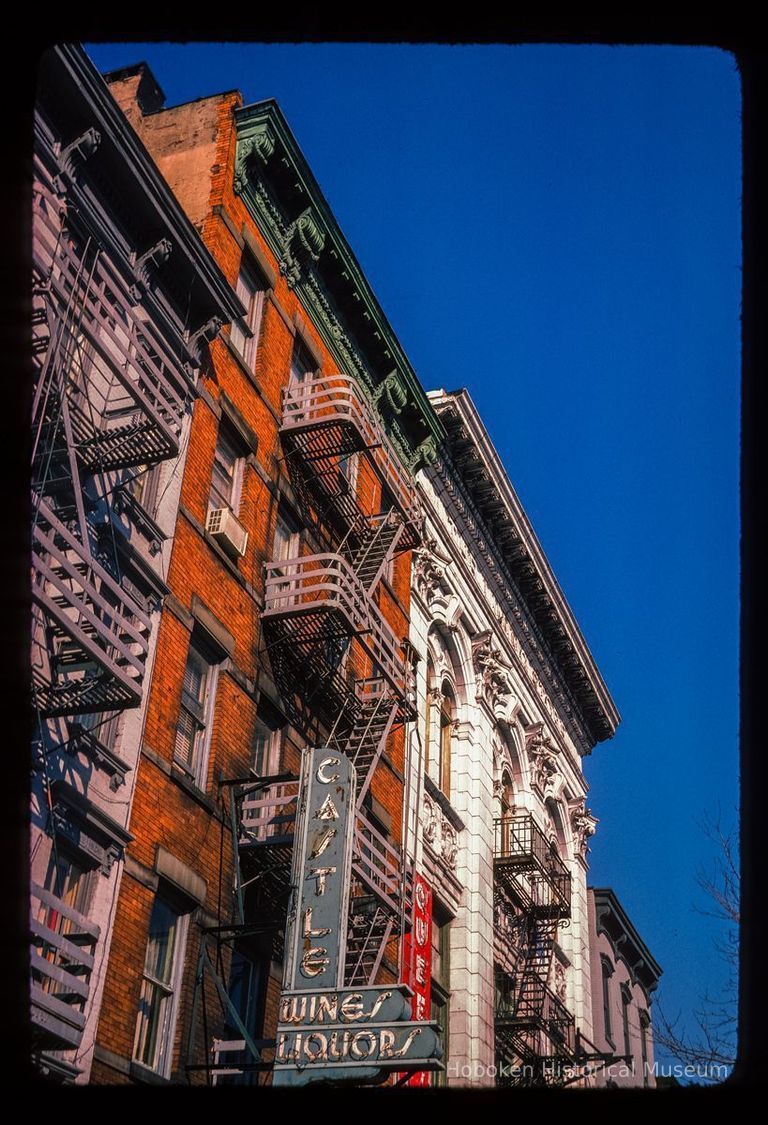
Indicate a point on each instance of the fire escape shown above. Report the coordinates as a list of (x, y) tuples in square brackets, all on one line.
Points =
[(108, 401), (342, 673), (535, 1032)]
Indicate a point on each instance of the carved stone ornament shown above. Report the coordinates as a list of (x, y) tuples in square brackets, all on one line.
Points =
[(423, 454), (439, 833), (258, 147), (543, 756), (304, 241), (72, 158), (147, 266), (428, 569), (392, 391), (492, 676), (583, 825), (204, 334), (561, 983)]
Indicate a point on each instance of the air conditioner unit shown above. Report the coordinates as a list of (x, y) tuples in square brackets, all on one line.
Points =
[(228, 532)]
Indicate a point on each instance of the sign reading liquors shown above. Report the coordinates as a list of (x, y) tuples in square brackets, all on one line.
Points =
[(317, 918), (351, 1035)]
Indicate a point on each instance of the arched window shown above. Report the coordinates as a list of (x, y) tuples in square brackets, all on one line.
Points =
[(507, 794), (447, 716), (441, 714)]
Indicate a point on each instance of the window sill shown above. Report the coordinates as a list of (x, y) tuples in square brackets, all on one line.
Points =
[(147, 1076), (184, 781)]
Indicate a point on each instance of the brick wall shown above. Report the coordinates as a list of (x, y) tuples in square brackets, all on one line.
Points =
[(194, 146)]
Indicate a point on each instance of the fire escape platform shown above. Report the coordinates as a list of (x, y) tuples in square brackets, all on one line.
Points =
[(106, 630), (61, 962), (328, 418)]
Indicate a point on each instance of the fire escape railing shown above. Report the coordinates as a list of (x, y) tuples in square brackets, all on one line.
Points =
[(305, 586), (61, 961), (528, 862), (326, 418), (533, 890)]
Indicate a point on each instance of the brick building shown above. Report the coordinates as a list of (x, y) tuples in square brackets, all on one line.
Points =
[(287, 616), (124, 299), (299, 598), (624, 977)]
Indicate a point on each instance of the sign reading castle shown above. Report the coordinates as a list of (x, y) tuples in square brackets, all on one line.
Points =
[(325, 1032)]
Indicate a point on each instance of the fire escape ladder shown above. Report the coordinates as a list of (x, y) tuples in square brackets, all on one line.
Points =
[(370, 928), (378, 546), (365, 738)]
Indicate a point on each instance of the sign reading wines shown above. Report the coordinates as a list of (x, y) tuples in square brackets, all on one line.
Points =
[(325, 1032)]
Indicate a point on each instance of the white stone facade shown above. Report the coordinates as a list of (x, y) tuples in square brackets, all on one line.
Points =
[(484, 701)]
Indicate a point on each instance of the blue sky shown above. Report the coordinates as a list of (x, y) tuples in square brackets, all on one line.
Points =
[(557, 228)]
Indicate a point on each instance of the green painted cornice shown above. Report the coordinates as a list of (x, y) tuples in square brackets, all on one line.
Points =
[(279, 189)]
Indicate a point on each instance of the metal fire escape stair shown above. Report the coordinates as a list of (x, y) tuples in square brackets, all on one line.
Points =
[(365, 738), (370, 927)]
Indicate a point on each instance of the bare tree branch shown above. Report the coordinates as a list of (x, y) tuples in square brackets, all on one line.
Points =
[(714, 1041)]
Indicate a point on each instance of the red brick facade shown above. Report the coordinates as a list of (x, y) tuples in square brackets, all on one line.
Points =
[(194, 146)]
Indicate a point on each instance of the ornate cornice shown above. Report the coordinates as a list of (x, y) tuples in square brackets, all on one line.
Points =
[(512, 618), (482, 481), (146, 267), (611, 919), (276, 183)]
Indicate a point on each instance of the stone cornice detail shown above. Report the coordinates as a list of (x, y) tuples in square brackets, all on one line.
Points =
[(428, 567), (529, 658), (491, 497), (493, 676)]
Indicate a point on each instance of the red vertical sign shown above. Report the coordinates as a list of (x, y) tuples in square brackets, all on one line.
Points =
[(418, 961)]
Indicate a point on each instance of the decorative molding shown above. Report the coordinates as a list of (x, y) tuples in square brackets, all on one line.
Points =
[(438, 833), (146, 268), (73, 157), (428, 568), (543, 756), (201, 336), (256, 148), (583, 824), (393, 392), (493, 682), (304, 241)]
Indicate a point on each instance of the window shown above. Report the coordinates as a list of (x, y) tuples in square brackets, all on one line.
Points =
[(153, 1045), (645, 1022), (248, 977), (303, 363), (226, 481), (266, 742), (244, 334), (194, 716), (348, 473), (69, 880), (286, 541), (626, 1000), (143, 484), (285, 545), (607, 972), (441, 710)]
